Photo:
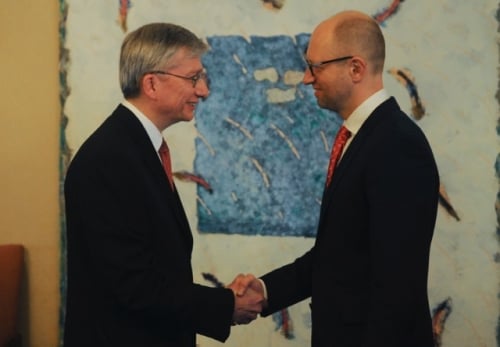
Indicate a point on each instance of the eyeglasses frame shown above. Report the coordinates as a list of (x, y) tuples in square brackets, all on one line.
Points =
[(321, 63), (202, 75)]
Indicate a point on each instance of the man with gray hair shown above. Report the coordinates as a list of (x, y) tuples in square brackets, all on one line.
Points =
[(129, 244)]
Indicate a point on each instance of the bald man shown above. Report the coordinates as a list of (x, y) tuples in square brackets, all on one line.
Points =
[(367, 271)]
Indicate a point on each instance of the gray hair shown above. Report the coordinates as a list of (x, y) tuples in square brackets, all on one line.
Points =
[(151, 47)]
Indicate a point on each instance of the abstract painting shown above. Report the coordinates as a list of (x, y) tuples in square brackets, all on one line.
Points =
[(251, 167)]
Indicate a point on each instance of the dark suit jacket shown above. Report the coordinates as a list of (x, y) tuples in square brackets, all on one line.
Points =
[(129, 249), (367, 271)]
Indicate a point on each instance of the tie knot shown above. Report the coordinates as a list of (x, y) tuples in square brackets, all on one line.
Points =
[(344, 133), (163, 147)]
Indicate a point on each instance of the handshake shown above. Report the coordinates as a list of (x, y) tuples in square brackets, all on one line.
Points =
[(249, 298)]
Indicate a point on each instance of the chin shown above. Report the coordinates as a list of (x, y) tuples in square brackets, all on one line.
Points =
[(187, 118), (321, 103)]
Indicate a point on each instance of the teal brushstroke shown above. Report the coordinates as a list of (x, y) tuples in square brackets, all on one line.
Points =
[(64, 157)]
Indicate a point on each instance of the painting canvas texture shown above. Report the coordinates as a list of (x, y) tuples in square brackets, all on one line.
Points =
[(261, 145)]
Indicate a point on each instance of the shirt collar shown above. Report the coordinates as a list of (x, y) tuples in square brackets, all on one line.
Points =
[(153, 133), (363, 111)]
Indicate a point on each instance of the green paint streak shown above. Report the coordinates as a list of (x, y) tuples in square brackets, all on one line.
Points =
[(64, 157)]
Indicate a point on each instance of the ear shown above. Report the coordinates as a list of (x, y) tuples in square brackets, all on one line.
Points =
[(357, 69), (149, 85)]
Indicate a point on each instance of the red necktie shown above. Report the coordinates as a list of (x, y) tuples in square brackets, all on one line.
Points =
[(340, 140), (167, 165)]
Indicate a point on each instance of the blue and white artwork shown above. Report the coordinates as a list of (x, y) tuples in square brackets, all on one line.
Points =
[(263, 143)]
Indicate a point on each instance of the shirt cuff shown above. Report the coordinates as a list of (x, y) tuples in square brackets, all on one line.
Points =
[(264, 288)]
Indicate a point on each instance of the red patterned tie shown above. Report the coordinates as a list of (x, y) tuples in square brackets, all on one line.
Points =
[(167, 165), (340, 140)]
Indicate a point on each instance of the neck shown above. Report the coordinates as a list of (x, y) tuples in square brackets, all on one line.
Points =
[(148, 111), (358, 98)]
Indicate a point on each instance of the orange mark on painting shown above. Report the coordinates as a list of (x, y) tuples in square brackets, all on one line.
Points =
[(123, 12), (273, 4), (382, 16)]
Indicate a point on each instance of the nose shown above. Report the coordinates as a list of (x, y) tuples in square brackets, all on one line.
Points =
[(201, 88), (308, 76)]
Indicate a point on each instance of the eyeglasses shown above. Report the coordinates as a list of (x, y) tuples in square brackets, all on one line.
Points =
[(321, 63), (202, 75)]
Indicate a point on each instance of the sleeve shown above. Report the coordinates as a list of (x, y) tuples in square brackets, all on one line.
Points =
[(402, 190), (289, 284), (111, 221)]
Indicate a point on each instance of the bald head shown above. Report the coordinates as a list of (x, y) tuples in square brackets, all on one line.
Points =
[(345, 56), (354, 33)]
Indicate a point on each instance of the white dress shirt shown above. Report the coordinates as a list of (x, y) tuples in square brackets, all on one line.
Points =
[(153, 133)]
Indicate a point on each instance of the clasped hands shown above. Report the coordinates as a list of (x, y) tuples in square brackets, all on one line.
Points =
[(249, 298)]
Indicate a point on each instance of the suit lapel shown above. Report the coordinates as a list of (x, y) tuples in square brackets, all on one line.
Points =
[(354, 150), (182, 218), (340, 170), (153, 164)]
